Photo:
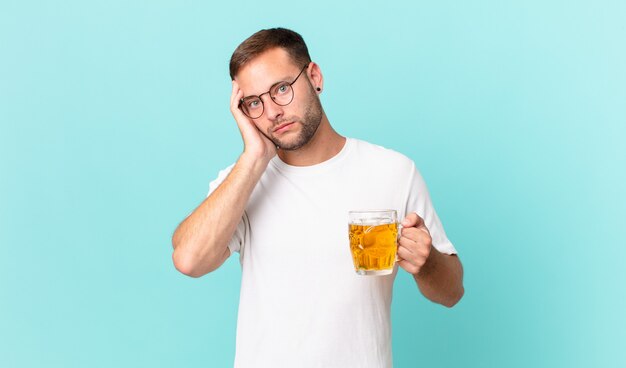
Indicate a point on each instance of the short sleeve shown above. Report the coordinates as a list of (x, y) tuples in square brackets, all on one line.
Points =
[(242, 231), (419, 202)]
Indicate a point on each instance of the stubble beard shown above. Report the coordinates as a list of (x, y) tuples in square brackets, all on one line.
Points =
[(310, 123)]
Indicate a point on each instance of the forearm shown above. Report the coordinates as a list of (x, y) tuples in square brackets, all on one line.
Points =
[(441, 278), (200, 241)]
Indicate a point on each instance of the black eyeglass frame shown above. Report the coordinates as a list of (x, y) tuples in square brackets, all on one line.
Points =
[(241, 101)]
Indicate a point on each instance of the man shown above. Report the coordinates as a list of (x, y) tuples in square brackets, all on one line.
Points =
[(283, 206)]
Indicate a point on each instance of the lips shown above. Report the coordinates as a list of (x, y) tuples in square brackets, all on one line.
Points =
[(282, 127)]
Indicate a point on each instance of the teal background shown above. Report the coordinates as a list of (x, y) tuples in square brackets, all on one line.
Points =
[(114, 118)]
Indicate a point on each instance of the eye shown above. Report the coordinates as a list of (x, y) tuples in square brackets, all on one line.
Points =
[(253, 104), (282, 88)]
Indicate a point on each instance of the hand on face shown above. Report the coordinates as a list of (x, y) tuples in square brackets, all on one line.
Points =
[(255, 143), (414, 245)]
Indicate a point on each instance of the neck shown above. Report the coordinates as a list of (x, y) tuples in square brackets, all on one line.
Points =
[(324, 145)]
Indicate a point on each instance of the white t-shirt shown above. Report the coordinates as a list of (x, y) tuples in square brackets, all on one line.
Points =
[(302, 303)]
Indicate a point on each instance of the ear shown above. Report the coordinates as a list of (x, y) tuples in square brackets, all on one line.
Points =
[(315, 76)]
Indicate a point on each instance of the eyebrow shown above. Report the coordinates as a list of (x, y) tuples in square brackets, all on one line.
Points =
[(285, 79)]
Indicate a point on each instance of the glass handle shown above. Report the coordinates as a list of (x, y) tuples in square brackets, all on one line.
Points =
[(398, 236)]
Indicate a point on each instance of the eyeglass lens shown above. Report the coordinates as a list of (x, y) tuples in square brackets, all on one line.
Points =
[(281, 93)]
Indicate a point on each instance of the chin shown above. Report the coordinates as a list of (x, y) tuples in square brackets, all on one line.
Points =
[(292, 145)]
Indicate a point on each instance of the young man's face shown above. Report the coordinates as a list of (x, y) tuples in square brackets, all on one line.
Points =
[(291, 126)]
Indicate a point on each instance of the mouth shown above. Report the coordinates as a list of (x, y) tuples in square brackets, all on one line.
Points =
[(283, 127)]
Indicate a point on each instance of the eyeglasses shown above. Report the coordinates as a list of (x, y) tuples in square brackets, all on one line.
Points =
[(281, 93)]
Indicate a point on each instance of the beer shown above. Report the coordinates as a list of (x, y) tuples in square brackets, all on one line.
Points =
[(373, 247)]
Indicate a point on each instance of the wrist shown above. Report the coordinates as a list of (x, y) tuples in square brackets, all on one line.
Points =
[(253, 162), (430, 264)]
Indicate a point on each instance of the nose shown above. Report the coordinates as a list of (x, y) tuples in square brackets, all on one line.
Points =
[(273, 111)]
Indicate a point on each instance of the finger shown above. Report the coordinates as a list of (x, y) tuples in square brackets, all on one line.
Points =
[(410, 261), (419, 225), (233, 92), (235, 96), (408, 267), (409, 220), (407, 243), (416, 234), (405, 254), (413, 250), (240, 117), (412, 220)]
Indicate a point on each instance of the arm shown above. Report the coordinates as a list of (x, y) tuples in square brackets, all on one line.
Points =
[(200, 241), (438, 276), (441, 278)]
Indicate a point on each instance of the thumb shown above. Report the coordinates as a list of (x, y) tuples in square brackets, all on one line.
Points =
[(410, 220)]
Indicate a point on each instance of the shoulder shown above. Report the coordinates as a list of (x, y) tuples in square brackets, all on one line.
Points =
[(378, 154)]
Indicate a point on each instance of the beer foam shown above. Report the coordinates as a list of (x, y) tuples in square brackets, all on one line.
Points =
[(374, 221)]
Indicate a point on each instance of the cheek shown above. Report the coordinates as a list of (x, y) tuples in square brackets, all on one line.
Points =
[(298, 111), (263, 125)]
